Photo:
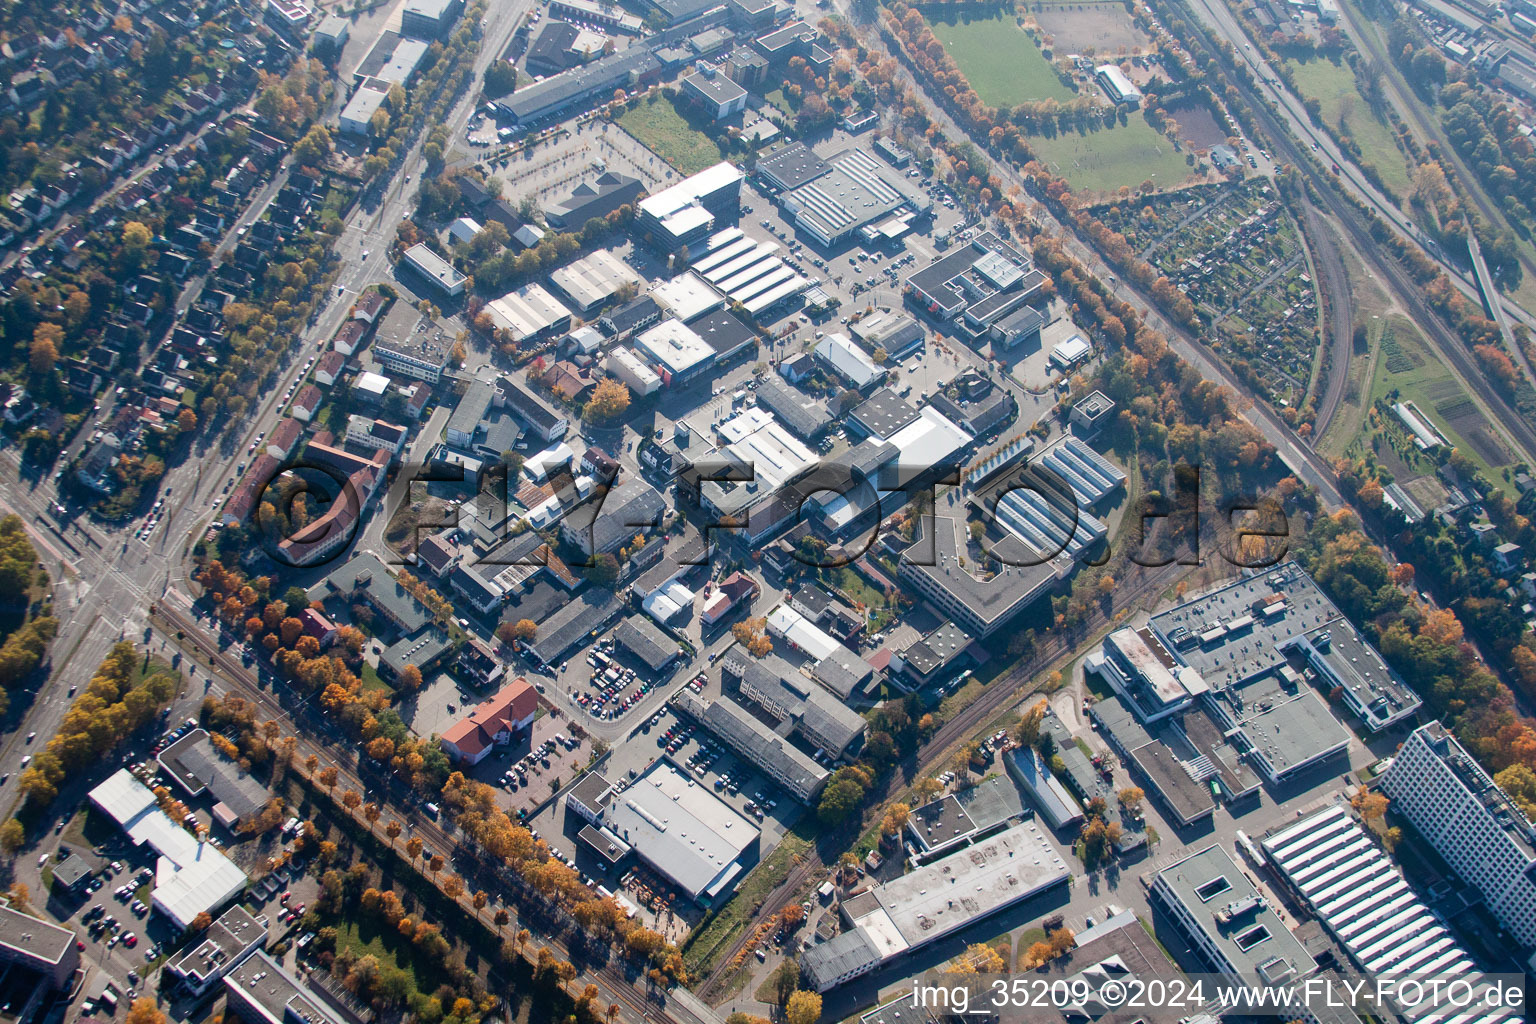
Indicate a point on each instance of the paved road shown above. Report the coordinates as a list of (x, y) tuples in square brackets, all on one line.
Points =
[(1212, 16)]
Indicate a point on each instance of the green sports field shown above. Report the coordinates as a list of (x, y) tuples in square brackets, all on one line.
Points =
[(1001, 62), (1103, 161)]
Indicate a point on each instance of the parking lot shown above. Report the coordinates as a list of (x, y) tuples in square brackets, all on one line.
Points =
[(533, 768)]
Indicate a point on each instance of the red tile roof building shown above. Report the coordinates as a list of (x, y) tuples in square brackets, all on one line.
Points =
[(492, 723)]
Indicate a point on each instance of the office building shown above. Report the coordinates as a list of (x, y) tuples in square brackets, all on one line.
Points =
[(1456, 806), (679, 216), (262, 991), (429, 19), (1228, 922), (39, 947), (228, 943), (433, 270), (715, 94)]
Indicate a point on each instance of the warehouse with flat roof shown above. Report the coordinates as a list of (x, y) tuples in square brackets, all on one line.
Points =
[(935, 901), (683, 831), (852, 193)]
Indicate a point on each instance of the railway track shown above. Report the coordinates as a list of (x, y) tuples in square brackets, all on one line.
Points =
[(1000, 692), (613, 985), (1409, 292)]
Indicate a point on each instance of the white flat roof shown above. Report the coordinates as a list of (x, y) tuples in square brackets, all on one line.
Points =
[(191, 876), (680, 827), (670, 200), (675, 346), (761, 441), (928, 441), (687, 296)]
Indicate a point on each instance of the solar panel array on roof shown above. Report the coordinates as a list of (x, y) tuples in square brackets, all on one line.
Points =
[(1049, 527), (1359, 894)]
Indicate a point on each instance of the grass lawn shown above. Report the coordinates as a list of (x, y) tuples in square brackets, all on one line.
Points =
[(778, 99), (656, 122), (714, 938), (1102, 161), (371, 681), (998, 58), (389, 948), (1333, 85)]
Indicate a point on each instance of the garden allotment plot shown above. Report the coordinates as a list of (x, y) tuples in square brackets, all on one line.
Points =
[(1001, 62), (1234, 251)]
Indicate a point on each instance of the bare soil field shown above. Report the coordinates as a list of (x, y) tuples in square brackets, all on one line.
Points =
[(1102, 27), (1198, 127)]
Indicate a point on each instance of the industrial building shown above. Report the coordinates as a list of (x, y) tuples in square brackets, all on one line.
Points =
[(897, 334), (808, 418), (975, 284), (192, 876), (840, 354), (434, 270), (1228, 922), (1456, 806), (1278, 619), (900, 916), (677, 353), (197, 769), (529, 312), (596, 81), (852, 192), (962, 816), (594, 280), (686, 297), (1349, 883), (677, 827), (1058, 807), (931, 658), (392, 61), (748, 271), (628, 367), (790, 167)]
